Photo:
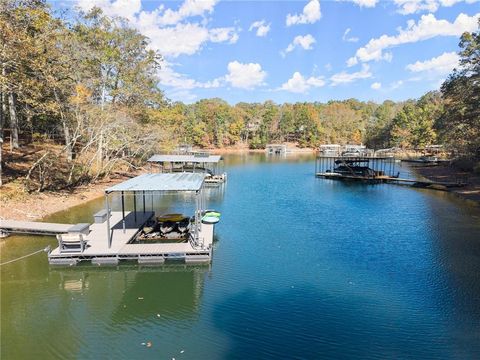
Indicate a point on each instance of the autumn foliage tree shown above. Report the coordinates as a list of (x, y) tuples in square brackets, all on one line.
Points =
[(459, 124)]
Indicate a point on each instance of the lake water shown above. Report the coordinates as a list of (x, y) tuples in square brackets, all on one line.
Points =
[(303, 268)]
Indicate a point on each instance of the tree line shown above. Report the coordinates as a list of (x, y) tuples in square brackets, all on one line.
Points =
[(90, 84)]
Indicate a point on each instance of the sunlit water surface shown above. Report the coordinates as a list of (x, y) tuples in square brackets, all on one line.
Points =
[(303, 268)]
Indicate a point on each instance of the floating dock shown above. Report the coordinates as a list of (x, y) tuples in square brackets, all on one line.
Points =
[(40, 228), (115, 235), (372, 170), (99, 252)]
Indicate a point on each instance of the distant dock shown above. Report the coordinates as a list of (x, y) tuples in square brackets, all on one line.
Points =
[(372, 170)]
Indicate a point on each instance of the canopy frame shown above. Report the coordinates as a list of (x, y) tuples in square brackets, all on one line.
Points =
[(194, 185)]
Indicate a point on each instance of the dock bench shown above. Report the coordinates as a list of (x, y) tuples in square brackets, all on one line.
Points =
[(100, 217)]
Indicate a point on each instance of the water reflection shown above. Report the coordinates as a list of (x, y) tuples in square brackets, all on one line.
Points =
[(72, 312), (140, 293)]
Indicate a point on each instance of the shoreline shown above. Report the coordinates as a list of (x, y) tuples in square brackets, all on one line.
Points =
[(256, 151), (447, 173), (36, 206)]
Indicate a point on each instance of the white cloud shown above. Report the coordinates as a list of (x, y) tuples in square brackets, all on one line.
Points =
[(130, 8), (344, 77), (189, 8), (412, 6), (442, 64), (262, 28), (364, 3), (395, 85), (426, 28), (224, 34), (376, 86), (123, 8), (304, 42), (245, 76), (180, 39), (352, 61), (184, 96), (168, 77), (349, 39), (168, 32), (311, 14), (299, 84), (407, 7)]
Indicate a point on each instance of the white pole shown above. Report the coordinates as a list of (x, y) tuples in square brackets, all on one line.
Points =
[(109, 238), (197, 217)]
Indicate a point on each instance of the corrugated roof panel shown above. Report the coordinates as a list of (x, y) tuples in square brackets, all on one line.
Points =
[(185, 158), (161, 182)]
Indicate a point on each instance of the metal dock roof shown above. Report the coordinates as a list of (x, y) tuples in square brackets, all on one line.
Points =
[(161, 182), (185, 158)]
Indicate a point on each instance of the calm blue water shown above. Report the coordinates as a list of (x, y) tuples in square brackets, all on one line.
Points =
[(303, 268)]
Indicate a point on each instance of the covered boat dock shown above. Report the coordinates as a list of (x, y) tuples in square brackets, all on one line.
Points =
[(113, 237), (193, 163), (372, 170), (364, 168)]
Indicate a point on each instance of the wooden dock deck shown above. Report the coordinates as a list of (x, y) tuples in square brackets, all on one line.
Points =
[(38, 228), (98, 251), (436, 185)]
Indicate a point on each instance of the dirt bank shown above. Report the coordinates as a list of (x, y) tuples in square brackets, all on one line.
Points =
[(35, 206), (448, 173)]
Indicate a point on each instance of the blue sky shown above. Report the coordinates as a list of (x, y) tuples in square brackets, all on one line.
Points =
[(289, 51)]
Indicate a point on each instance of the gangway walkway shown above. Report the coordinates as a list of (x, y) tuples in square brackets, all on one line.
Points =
[(40, 228)]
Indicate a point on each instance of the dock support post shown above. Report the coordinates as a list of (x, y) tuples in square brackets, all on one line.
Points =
[(123, 212), (197, 217), (135, 206), (109, 237)]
